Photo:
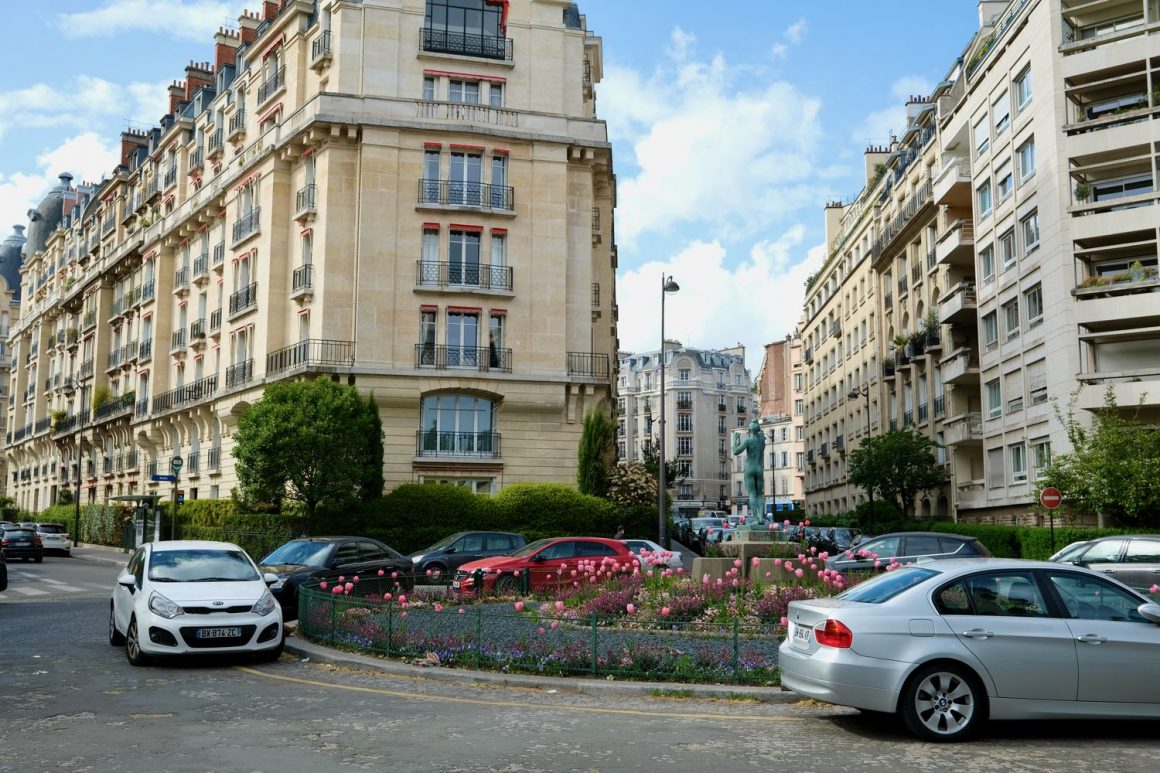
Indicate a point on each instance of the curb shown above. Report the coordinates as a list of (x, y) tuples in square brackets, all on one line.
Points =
[(578, 686), (107, 557)]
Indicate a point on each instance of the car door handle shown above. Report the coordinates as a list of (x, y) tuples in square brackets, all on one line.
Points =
[(1091, 638), (978, 633)]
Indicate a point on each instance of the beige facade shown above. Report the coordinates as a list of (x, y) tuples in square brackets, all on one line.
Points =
[(781, 406), (708, 394), (365, 192)]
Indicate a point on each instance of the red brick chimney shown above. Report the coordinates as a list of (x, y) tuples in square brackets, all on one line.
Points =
[(130, 141), (270, 9), (197, 74), (176, 96), (226, 45), (248, 26)]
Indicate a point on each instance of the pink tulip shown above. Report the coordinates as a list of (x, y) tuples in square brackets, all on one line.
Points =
[(664, 611), (462, 611), (785, 621), (631, 608), (559, 606), (438, 607), (680, 570), (394, 575), (756, 561), (736, 582), (769, 574), (322, 585), (798, 573), (519, 606), (1154, 589), (877, 564), (349, 587), (649, 573), (553, 625), (777, 562), (336, 590), (354, 579), (386, 597), (341, 578), (402, 598), (541, 630), (381, 573)]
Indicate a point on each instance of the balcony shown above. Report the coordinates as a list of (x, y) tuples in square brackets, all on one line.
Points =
[(239, 373), (216, 143), (215, 320), (87, 369), (956, 245), (128, 353), (311, 354), (840, 444), (961, 367), (113, 360), (70, 423), (485, 445), (302, 282), (115, 408), (145, 350), (960, 305), (214, 458), (177, 340), (482, 358), (219, 255), (971, 494), (170, 177), (466, 44), (940, 406), (193, 463), (142, 409), (197, 161), (589, 364), (320, 52), (963, 430), (181, 279), (244, 300), (456, 193), (433, 274), (237, 126), (185, 395), (148, 291), (201, 267), (824, 451), (469, 113), (247, 225), (903, 285), (272, 85), (197, 330), (952, 186), (305, 205)]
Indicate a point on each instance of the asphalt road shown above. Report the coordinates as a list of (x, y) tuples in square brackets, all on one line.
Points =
[(69, 701)]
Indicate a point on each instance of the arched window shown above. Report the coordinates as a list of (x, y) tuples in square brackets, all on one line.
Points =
[(458, 425)]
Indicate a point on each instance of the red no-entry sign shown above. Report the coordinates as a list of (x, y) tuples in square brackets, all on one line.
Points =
[(1050, 498)]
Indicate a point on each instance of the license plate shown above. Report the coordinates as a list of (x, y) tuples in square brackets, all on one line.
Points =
[(219, 633), (801, 633), (455, 584), (21, 544)]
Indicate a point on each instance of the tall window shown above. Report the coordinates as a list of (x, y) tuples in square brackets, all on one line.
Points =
[(994, 400), (463, 258), (1001, 110), (429, 88), (463, 91), (1011, 319), (495, 94), (1033, 302), (457, 424), (1030, 227), (1023, 88), (430, 246), (987, 264), (1005, 182), (427, 338), (465, 186), (431, 176), (982, 135), (1026, 155), (498, 249), (983, 197), (1007, 249), (495, 341), (1018, 455), (990, 331), (499, 181), (462, 339)]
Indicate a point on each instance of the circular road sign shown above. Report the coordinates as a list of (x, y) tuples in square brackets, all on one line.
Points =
[(176, 463), (1050, 498)]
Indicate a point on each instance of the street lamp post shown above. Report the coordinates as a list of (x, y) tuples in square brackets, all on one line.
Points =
[(71, 388), (667, 286), (854, 394)]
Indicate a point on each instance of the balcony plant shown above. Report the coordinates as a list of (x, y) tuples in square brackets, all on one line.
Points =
[(930, 328), (57, 415), (888, 366), (916, 344), (1083, 192), (101, 395)]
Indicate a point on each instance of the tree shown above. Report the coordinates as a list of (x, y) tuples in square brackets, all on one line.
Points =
[(597, 454), (650, 455), (897, 466), (1113, 469), (631, 485), (315, 442)]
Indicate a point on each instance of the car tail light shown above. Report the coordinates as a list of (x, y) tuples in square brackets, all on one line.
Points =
[(834, 634)]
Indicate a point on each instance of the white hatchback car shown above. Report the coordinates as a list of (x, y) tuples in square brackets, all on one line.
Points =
[(54, 537), (194, 597)]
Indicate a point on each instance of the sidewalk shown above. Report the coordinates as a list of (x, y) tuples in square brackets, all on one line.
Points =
[(101, 554), (318, 653)]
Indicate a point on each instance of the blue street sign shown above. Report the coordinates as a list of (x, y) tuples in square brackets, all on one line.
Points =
[(164, 478)]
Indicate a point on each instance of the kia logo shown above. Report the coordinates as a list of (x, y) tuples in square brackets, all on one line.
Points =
[(219, 603)]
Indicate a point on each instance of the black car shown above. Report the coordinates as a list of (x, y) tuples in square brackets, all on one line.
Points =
[(905, 547), (1133, 559), (326, 558), (3, 573), (22, 543), (440, 561)]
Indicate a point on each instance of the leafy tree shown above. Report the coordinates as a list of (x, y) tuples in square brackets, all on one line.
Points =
[(597, 454), (650, 455), (1113, 469), (630, 485), (897, 465), (315, 442)]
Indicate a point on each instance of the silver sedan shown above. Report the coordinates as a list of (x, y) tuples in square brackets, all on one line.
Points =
[(948, 644)]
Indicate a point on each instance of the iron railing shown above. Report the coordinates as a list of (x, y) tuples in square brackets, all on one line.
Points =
[(466, 194), (313, 352), (442, 274), (239, 373), (592, 364), (433, 443), (473, 357), (244, 299), (248, 224), (118, 406), (304, 200), (303, 278), (320, 48), (185, 395), (271, 85), (467, 44)]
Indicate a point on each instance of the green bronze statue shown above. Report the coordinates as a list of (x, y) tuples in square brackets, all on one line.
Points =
[(754, 448)]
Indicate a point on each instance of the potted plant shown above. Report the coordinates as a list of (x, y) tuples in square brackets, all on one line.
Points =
[(56, 416), (101, 395), (900, 342), (888, 367), (1083, 191), (931, 329), (916, 344)]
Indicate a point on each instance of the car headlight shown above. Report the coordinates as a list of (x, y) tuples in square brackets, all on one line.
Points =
[(279, 585), (265, 604), (159, 605), (418, 559)]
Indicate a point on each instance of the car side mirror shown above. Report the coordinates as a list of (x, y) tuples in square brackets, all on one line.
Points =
[(538, 558), (127, 579), (450, 550), (1150, 612), (269, 578)]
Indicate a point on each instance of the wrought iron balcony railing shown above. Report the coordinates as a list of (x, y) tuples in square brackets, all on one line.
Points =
[(302, 278), (433, 443), (118, 406), (592, 364), (248, 224), (304, 200), (239, 373), (467, 357), (244, 299), (466, 194), (185, 395), (311, 353), (441, 274), (466, 44), (270, 86)]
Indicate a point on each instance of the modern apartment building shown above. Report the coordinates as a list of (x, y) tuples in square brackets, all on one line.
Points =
[(412, 197), (781, 411), (707, 395), (1022, 208)]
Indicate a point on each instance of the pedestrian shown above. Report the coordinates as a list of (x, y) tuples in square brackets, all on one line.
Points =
[(619, 533)]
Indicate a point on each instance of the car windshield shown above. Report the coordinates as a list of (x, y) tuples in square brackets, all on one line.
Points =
[(445, 542), (1070, 552), (51, 528), (300, 552), (528, 550), (886, 586), (19, 533), (201, 565)]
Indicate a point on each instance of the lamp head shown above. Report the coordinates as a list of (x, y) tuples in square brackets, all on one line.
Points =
[(854, 393), (670, 286)]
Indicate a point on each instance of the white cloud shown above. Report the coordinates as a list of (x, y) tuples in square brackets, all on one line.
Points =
[(796, 31), (753, 303), (86, 156), (880, 125), (80, 103), (189, 19), (708, 152)]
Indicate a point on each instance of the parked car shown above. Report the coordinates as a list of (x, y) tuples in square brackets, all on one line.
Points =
[(440, 561), (191, 596), (326, 558), (22, 543), (55, 538), (906, 547), (545, 560), (3, 573), (949, 644), (1133, 559), (652, 554)]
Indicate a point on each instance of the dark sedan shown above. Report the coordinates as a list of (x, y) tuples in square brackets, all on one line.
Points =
[(326, 558), (906, 547), (22, 543), (440, 561)]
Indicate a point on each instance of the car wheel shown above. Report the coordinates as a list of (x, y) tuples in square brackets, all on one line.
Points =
[(438, 572), (115, 637), (943, 702), (133, 651), (269, 656), (506, 586)]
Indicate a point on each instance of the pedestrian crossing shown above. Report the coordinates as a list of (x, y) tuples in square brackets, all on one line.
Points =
[(28, 585)]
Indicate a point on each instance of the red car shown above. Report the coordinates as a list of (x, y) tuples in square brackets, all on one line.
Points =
[(549, 563)]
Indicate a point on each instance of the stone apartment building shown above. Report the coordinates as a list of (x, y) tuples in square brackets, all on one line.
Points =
[(708, 394), (781, 412), (1025, 213), (10, 250), (414, 197)]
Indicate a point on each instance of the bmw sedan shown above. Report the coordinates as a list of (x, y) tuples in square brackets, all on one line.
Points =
[(947, 645), (905, 547), (193, 597)]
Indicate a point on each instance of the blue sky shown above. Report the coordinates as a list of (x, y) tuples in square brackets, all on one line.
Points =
[(733, 123)]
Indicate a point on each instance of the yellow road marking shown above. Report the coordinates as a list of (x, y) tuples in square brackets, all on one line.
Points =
[(515, 704)]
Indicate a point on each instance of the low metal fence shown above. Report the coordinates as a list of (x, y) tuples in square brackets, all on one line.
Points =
[(538, 639)]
